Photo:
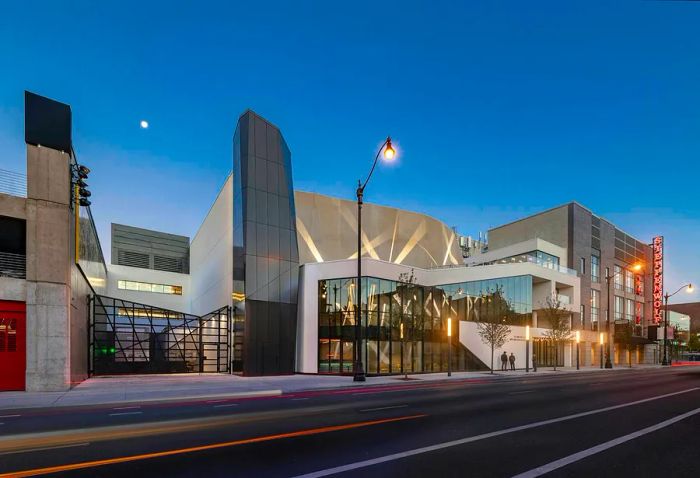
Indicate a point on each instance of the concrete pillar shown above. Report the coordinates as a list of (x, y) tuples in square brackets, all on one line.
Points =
[(48, 269)]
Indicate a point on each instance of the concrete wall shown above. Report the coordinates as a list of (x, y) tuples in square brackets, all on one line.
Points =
[(13, 289), (549, 225), (13, 206), (48, 270), (211, 253)]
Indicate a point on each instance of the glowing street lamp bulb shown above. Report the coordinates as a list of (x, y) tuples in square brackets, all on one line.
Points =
[(449, 327), (578, 336), (602, 338), (144, 124), (389, 151), (527, 332), (690, 288), (637, 267)]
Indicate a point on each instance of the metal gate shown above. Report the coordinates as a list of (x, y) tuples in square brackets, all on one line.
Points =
[(13, 348), (131, 338)]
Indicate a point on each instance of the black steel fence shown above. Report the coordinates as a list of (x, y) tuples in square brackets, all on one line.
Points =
[(128, 338)]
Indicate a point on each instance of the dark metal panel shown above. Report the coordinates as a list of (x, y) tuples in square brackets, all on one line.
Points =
[(47, 122)]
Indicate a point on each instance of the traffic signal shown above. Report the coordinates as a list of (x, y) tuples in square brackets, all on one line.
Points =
[(83, 192)]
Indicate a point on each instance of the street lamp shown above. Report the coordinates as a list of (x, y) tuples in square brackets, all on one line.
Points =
[(602, 341), (608, 278), (690, 289), (527, 349), (578, 343), (389, 154)]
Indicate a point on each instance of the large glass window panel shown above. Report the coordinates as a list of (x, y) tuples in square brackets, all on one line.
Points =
[(595, 268), (372, 356)]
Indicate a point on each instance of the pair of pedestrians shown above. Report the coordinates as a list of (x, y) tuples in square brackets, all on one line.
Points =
[(505, 359)]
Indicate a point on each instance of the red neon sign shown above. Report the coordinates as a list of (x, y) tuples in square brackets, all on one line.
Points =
[(658, 286)]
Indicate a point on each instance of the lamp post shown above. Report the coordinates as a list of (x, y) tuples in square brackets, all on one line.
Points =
[(527, 349), (389, 153), (689, 287)]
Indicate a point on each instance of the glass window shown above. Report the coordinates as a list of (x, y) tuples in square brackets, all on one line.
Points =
[(629, 315), (618, 278), (629, 281), (595, 268), (148, 287), (619, 308), (595, 308), (582, 266)]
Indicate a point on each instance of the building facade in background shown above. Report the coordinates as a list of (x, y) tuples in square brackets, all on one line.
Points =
[(572, 237), (267, 285)]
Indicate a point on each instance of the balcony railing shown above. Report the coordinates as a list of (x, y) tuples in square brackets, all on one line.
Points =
[(563, 299), (12, 183), (13, 265), (551, 265)]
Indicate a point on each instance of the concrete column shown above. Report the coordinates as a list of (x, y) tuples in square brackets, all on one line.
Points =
[(48, 269)]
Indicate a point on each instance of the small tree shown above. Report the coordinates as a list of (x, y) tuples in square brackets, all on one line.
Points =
[(407, 290), (623, 335), (493, 331), (559, 324), (693, 343)]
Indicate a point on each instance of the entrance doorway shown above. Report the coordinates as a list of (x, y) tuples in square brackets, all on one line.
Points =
[(13, 349)]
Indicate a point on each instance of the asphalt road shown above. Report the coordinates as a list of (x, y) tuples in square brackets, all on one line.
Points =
[(623, 423)]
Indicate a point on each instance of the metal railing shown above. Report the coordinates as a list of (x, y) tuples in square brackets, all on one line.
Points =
[(12, 183), (13, 265)]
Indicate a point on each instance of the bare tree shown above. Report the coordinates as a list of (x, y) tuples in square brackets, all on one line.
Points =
[(559, 324), (407, 289), (494, 331)]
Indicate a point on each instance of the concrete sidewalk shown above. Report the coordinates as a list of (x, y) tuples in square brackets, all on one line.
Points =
[(154, 388)]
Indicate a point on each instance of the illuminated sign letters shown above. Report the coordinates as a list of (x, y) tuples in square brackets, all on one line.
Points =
[(658, 286)]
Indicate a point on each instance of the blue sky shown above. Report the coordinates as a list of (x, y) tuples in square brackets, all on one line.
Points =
[(500, 109)]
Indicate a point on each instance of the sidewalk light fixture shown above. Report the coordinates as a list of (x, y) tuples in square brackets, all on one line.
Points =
[(449, 346), (688, 288), (602, 341), (527, 349)]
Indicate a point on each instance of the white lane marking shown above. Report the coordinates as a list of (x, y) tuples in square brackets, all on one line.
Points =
[(29, 450), (10, 416), (567, 460), (463, 441), (383, 391), (124, 413), (383, 408), (126, 408), (302, 398), (521, 392), (226, 405), (215, 401)]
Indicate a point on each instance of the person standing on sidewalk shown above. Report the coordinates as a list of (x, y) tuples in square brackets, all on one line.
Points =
[(504, 361), (511, 359)]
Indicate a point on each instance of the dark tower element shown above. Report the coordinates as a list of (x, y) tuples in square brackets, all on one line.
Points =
[(265, 255)]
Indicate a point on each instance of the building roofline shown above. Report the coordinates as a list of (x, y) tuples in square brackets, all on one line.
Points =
[(567, 204)]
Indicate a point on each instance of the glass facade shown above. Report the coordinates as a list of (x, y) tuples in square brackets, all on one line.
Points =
[(595, 268), (617, 279), (595, 308), (148, 287), (404, 326), (619, 308)]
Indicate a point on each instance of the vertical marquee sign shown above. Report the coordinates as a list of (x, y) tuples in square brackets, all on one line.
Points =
[(658, 271)]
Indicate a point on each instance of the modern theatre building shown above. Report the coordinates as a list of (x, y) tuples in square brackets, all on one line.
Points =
[(267, 285)]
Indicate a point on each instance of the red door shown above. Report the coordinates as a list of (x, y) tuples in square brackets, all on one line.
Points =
[(13, 352)]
